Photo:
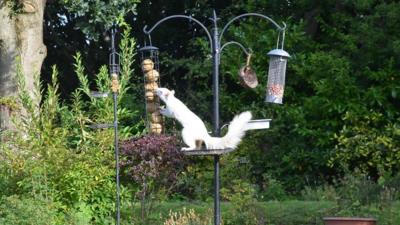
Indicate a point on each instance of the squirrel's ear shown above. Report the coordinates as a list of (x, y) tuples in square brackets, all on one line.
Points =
[(172, 92)]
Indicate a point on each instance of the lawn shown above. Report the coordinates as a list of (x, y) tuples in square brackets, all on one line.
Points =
[(290, 212)]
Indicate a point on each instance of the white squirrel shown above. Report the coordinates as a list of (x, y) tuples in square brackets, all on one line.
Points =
[(194, 131)]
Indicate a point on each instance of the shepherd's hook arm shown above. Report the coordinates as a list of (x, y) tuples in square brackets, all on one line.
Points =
[(248, 51), (178, 16), (281, 28)]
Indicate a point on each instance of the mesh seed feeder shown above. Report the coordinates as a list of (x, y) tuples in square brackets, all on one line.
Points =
[(276, 73), (114, 63)]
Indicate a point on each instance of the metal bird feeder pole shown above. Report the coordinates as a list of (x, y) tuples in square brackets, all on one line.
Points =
[(278, 56), (114, 69)]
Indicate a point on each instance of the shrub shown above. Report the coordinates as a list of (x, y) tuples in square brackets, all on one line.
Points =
[(188, 218), (23, 210), (153, 162), (272, 189), (245, 209), (321, 193), (54, 155), (369, 143)]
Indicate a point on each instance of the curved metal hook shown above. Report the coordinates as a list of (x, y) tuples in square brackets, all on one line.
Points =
[(284, 26), (144, 30), (249, 51), (179, 16), (251, 14)]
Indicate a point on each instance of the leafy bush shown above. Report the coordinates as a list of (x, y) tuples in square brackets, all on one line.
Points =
[(320, 193), (273, 189), (23, 210), (153, 162), (54, 154), (368, 142), (244, 208), (356, 194)]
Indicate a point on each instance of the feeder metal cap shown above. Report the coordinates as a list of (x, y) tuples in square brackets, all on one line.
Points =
[(278, 52), (148, 48)]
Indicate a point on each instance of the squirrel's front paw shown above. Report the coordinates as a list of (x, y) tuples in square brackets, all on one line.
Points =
[(163, 110)]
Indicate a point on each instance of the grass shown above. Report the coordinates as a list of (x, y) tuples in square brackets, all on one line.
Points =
[(290, 212), (286, 212)]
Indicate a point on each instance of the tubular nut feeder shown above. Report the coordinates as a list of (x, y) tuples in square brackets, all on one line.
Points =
[(150, 68), (275, 86), (276, 75)]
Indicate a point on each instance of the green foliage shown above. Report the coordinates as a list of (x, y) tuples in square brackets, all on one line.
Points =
[(356, 192), (187, 217), (26, 211), (341, 107), (54, 158), (370, 143), (194, 182), (273, 189), (93, 16), (244, 208), (14, 6), (288, 212), (357, 195), (9, 102), (269, 212), (320, 193)]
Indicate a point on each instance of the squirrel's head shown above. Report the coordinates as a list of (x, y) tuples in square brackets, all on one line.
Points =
[(164, 93)]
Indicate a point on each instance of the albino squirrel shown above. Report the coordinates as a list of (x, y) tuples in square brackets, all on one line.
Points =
[(194, 131)]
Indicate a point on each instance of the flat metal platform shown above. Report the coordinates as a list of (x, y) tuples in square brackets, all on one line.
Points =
[(204, 152)]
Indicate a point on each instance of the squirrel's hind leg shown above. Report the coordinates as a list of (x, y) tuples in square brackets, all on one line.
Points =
[(189, 140)]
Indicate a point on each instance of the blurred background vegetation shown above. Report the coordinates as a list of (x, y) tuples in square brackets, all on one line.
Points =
[(333, 147)]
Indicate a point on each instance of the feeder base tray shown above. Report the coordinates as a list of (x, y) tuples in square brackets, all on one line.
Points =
[(201, 152)]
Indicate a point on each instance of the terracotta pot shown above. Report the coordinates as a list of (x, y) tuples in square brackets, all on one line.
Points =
[(349, 221)]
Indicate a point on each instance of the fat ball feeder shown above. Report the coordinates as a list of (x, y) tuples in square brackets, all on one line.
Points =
[(150, 69)]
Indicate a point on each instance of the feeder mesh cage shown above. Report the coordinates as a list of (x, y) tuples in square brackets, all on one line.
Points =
[(151, 77), (276, 79)]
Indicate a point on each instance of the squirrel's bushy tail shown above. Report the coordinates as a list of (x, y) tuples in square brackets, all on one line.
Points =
[(236, 131)]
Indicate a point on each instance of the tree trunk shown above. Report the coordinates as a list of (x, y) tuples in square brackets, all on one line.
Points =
[(21, 36)]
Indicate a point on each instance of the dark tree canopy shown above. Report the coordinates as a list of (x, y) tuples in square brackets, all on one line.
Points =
[(341, 104)]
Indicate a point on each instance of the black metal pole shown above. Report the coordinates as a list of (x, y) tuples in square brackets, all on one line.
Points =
[(114, 70), (215, 55), (115, 95)]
